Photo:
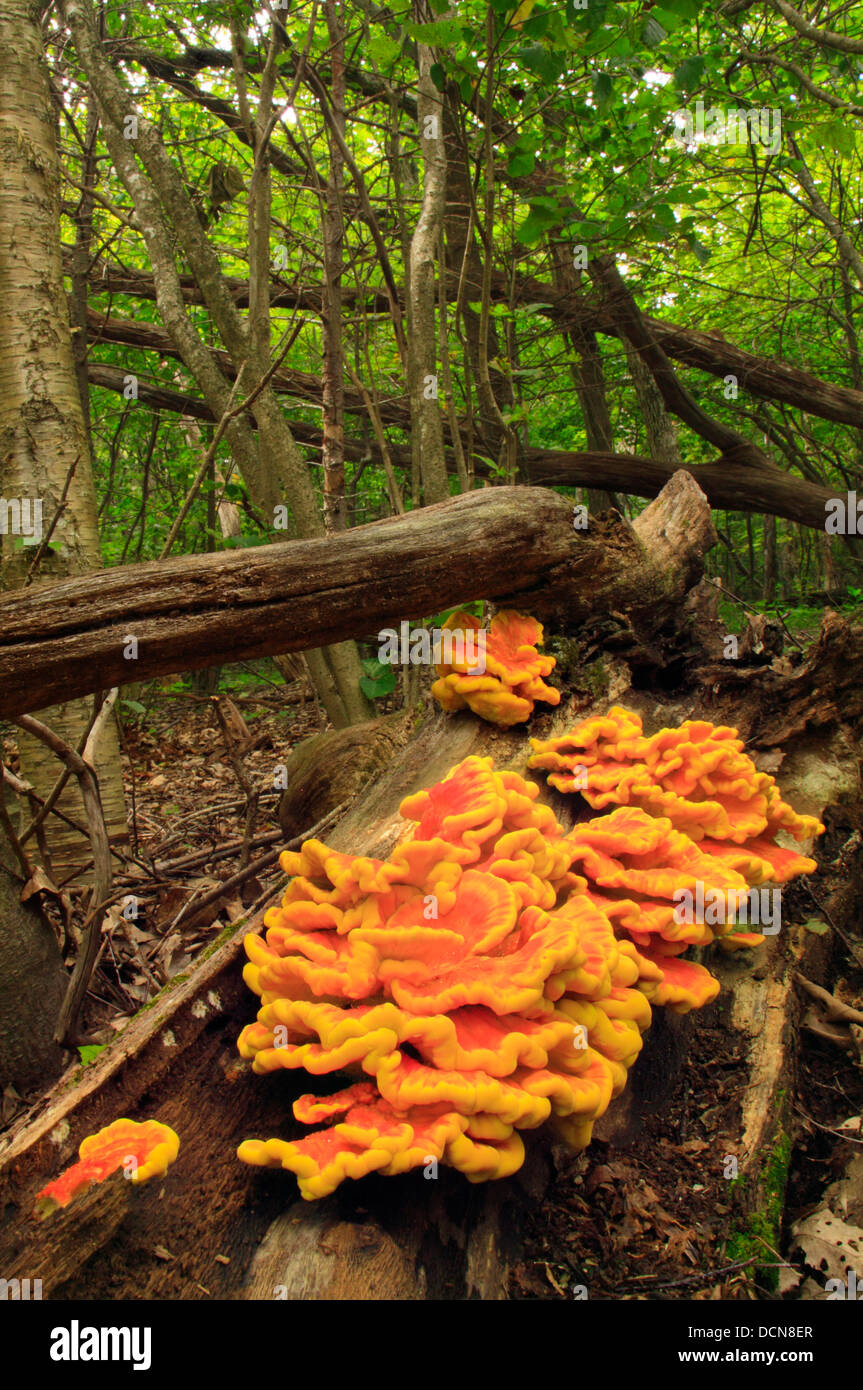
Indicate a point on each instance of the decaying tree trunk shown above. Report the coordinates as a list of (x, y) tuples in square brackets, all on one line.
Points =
[(514, 545)]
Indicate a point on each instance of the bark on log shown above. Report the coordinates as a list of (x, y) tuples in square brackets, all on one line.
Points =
[(512, 545)]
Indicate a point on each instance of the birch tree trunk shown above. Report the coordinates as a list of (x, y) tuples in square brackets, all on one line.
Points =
[(44, 446)]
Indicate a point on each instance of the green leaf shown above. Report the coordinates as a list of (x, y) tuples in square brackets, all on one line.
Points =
[(603, 89), (815, 925), (840, 136), (383, 686), (134, 705), (622, 46), (537, 25), (688, 74), (466, 86), (383, 50), (543, 61), (544, 213), (90, 1051), (653, 32), (545, 202), (666, 17), (665, 217), (520, 162), (686, 9), (681, 195), (701, 252), (437, 73), (441, 33)]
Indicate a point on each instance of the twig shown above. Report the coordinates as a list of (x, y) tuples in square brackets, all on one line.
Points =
[(853, 946), (835, 1132), (836, 1010), (707, 1275), (265, 860), (46, 539), (6, 822), (242, 776)]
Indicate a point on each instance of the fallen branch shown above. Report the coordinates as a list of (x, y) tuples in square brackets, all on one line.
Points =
[(834, 1008)]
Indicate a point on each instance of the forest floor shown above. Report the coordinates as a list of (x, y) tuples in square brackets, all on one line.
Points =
[(185, 804)]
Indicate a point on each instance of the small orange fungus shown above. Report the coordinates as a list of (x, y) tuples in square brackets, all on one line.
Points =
[(144, 1150), (512, 679)]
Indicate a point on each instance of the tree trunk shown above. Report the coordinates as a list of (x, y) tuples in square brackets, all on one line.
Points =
[(769, 591), (426, 419), (659, 428), (44, 445)]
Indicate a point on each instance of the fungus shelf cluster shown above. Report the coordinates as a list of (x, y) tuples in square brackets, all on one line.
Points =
[(504, 693), (495, 972)]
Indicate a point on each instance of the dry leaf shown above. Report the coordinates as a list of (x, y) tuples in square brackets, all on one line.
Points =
[(38, 882), (828, 1244)]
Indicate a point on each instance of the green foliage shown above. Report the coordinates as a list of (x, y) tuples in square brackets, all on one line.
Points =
[(89, 1052), (760, 1203), (379, 678)]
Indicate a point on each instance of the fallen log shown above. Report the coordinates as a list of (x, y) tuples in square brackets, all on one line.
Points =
[(512, 545)]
